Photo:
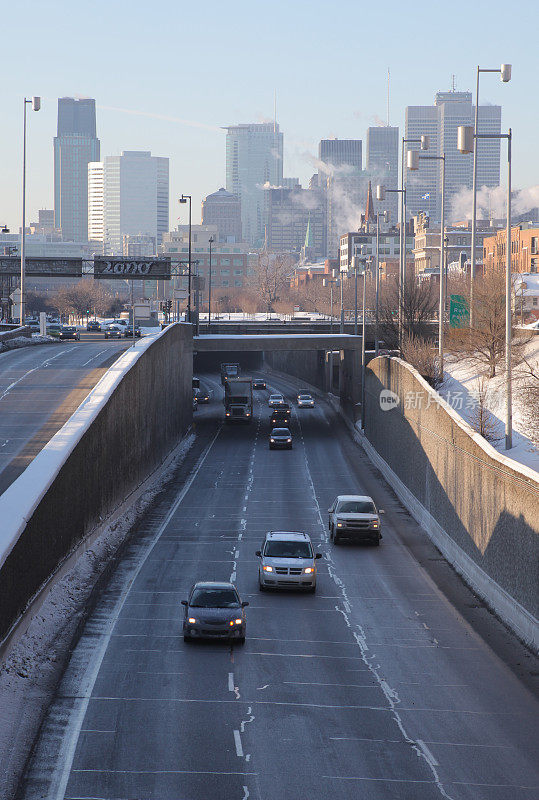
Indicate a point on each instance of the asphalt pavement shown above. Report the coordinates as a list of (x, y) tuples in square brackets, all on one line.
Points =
[(40, 387), (389, 682)]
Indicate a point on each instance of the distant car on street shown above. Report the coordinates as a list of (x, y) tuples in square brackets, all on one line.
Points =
[(93, 325), (214, 611), (69, 332), (259, 384), (355, 517), (113, 331), (128, 333), (202, 395), (305, 401), (280, 439), (275, 399), (280, 417)]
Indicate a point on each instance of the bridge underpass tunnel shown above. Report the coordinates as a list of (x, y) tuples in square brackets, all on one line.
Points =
[(211, 362)]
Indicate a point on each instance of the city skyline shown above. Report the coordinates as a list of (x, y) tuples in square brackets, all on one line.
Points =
[(143, 108)]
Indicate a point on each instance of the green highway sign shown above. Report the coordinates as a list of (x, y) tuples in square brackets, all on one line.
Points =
[(459, 312)]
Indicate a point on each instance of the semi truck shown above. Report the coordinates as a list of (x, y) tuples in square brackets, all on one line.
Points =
[(229, 371), (238, 400)]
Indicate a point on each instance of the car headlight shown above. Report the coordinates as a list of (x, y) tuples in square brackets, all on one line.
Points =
[(272, 440), (248, 414), (308, 570), (268, 569), (238, 621), (228, 413), (340, 524), (289, 440), (191, 620), (375, 524)]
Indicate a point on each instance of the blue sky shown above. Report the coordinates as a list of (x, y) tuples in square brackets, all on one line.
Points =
[(167, 75)]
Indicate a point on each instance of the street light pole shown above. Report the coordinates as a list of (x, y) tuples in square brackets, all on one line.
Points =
[(341, 327), (210, 242), (413, 159), (465, 143), (363, 355), (36, 105), (183, 199), (505, 74)]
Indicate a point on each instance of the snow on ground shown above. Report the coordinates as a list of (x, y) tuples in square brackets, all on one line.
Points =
[(459, 389), (24, 341)]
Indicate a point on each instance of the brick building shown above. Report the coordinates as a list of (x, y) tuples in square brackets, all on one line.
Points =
[(524, 249)]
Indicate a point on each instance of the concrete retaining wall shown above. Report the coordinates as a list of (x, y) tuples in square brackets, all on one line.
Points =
[(480, 507), (309, 365), (123, 430)]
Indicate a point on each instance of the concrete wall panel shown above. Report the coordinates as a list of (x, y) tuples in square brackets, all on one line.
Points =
[(146, 415)]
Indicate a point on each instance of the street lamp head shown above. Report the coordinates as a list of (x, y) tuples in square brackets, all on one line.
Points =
[(412, 160), (5, 229), (424, 142), (465, 138), (380, 192), (505, 73), (211, 240), (182, 199), (36, 103)]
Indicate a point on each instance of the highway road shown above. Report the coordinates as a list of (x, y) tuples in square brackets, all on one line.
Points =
[(392, 681), (40, 387)]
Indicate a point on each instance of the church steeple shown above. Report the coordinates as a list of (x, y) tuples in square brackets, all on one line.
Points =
[(369, 208), (309, 235)]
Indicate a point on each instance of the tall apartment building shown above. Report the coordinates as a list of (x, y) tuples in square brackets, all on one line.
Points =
[(75, 145), (440, 122), (382, 164), (136, 198), (254, 157), (223, 209), (341, 152)]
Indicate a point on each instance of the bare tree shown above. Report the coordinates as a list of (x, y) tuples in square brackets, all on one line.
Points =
[(418, 307), (528, 386), (481, 418), (422, 355), (270, 279), (483, 343)]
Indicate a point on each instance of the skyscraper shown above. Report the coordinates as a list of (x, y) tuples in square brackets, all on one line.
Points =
[(383, 165), (75, 145), (254, 157), (96, 202), (440, 123), (341, 152), (224, 210), (136, 198)]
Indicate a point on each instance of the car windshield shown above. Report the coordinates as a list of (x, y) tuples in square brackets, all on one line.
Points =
[(280, 432), (68, 328), (277, 397), (305, 397), (214, 598), (356, 507), (280, 549)]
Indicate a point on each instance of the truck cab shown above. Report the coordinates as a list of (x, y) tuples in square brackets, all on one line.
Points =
[(238, 400), (229, 371)]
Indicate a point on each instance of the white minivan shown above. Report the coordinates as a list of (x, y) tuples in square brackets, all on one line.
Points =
[(287, 560)]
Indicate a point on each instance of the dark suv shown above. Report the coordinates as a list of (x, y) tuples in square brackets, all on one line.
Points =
[(280, 418)]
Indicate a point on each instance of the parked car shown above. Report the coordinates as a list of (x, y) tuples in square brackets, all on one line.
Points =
[(280, 439), (305, 401), (214, 611), (128, 333), (113, 331), (93, 325), (259, 384), (275, 399), (69, 332), (354, 516), (287, 560), (280, 417)]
